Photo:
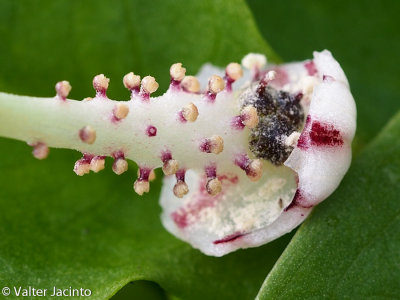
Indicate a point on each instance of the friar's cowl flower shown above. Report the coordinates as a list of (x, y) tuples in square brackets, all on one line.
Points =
[(307, 120), (246, 154)]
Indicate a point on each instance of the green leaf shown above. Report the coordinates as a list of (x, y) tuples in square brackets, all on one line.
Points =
[(349, 248), (364, 37), (47, 41), (141, 289), (57, 229)]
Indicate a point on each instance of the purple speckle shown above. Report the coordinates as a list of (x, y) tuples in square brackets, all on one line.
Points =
[(181, 118), (311, 68), (135, 92), (325, 135), (144, 174), (328, 78), (243, 162), (211, 96), (298, 200), (98, 157), (85, 160), (114, 119), (190, 213), (166, 156), (99, 88), (180, 175), (101, 93), (298, 96), (229, 238), (211, 171), (118, 154), (175, 85), (303, 140), (151, 131), (145, 96), (205, 146), (87, 157), (237, 123), (319, 134), (180, 219), (228, 83), (232, 179)]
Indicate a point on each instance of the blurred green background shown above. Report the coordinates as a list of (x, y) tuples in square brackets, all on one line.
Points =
[(59, 229), (364, 37)]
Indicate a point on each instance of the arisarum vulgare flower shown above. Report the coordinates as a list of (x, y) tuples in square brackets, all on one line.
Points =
[(246, 155)]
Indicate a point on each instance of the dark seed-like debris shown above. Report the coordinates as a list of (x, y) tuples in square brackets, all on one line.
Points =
[(280, 114)]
